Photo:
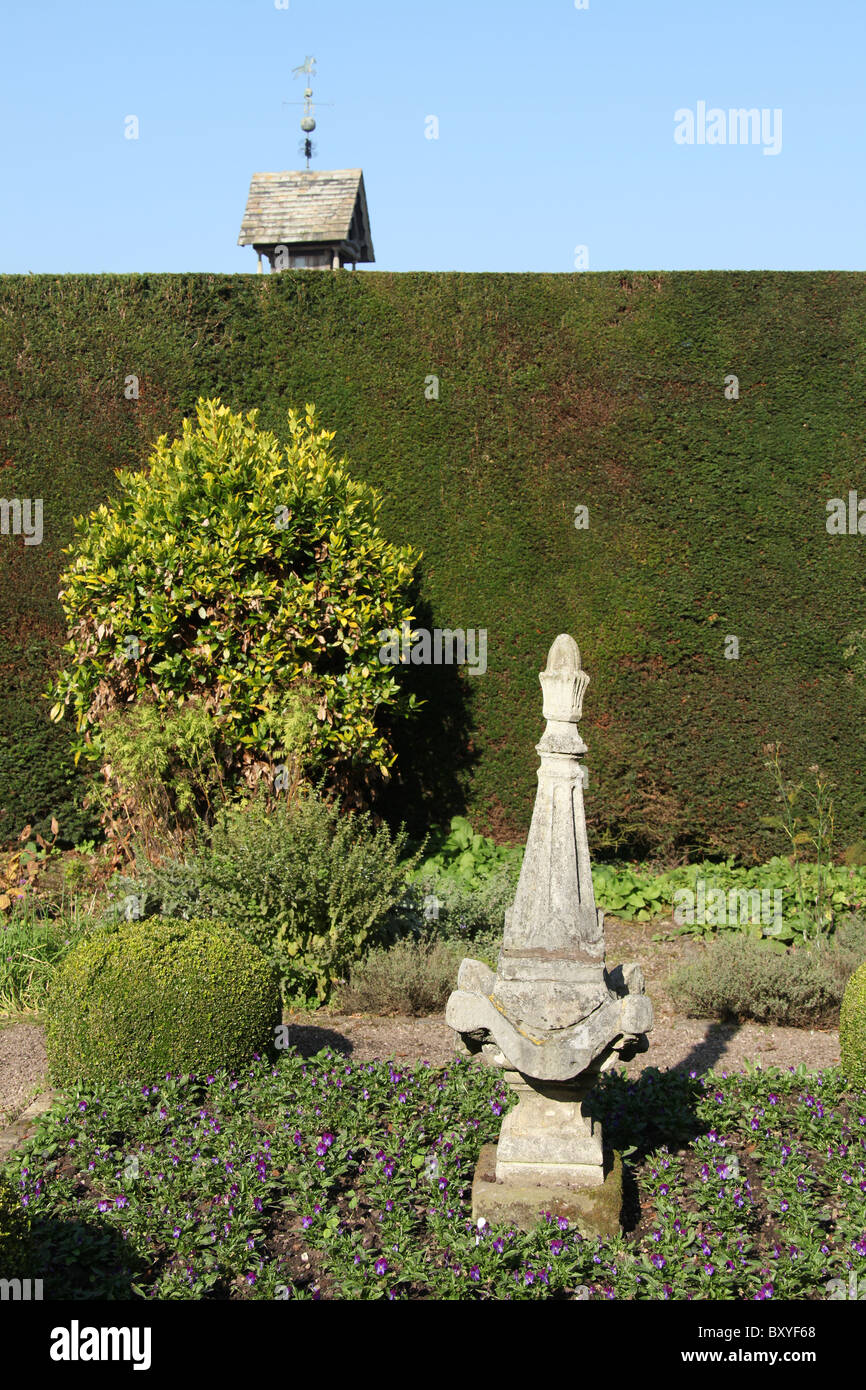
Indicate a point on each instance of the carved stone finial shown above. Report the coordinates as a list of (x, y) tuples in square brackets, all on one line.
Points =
[(552, 1015), (563, 682)]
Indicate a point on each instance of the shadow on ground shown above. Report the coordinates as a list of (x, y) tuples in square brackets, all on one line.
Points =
[(434, 752), (704, 1055), (81, 1260), (306, 1040)]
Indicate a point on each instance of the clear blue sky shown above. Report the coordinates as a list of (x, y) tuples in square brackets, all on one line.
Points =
[(556, 130)]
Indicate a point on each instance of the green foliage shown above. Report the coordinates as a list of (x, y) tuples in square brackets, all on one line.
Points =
[(460, 892), (166, 764), (137, 1000), (442, 909), (31, 948), (738, 977), (815, 916), (855, 653), (465, 857), (29, 740), (15, 1255), (473, 882), (311, 887), (634, 895), (603, 389), (167, 770), (236, 570), (410, 977), (852, 1028), (630, 894), (46, 916), (465, 882), (751, 1180)]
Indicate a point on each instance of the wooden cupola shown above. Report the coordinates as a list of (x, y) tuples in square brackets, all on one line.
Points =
[(314, 219)]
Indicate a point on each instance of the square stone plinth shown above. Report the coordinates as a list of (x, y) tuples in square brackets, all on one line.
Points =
[(546, 1140), (594, 1211)]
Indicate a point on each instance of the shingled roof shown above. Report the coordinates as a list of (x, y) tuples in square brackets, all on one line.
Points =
[(306, 206)]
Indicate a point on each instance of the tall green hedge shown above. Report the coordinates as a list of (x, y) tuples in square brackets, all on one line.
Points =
[(707, 516)]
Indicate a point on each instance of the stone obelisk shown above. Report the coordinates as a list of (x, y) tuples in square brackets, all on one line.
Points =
[(552, 1016)]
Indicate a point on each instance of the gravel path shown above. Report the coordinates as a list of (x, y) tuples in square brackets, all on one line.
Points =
[(691, 1044), (23, 1067)]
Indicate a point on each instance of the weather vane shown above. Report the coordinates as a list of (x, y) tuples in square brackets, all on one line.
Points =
[(308, 121)]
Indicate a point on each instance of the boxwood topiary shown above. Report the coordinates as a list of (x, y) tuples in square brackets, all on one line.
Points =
[(852, 1028), (15, 1260), (139, 999)]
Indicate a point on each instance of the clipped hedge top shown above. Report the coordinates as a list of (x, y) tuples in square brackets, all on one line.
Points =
[(144, 953), (855, 996)]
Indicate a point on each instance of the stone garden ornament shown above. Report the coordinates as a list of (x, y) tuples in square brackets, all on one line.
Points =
[(552, 1016)]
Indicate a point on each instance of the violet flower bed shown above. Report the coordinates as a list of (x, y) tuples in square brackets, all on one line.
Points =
[(332, 1179)]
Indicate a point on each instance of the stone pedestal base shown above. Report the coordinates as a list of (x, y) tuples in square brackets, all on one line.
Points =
[(593, 1211), (548, 1138)]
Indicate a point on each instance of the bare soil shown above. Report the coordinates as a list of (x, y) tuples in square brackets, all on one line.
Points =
[(690, 1044)]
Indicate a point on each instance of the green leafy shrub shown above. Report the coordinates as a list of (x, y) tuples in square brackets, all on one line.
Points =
[(628, 893), (469, 862), (410, 977), (240, 571), (140, 999), (163, 772), (172, 765), (852, 1028), (309, 886), (461, 890), (15, 1259), (442, 908), (740, 977)]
